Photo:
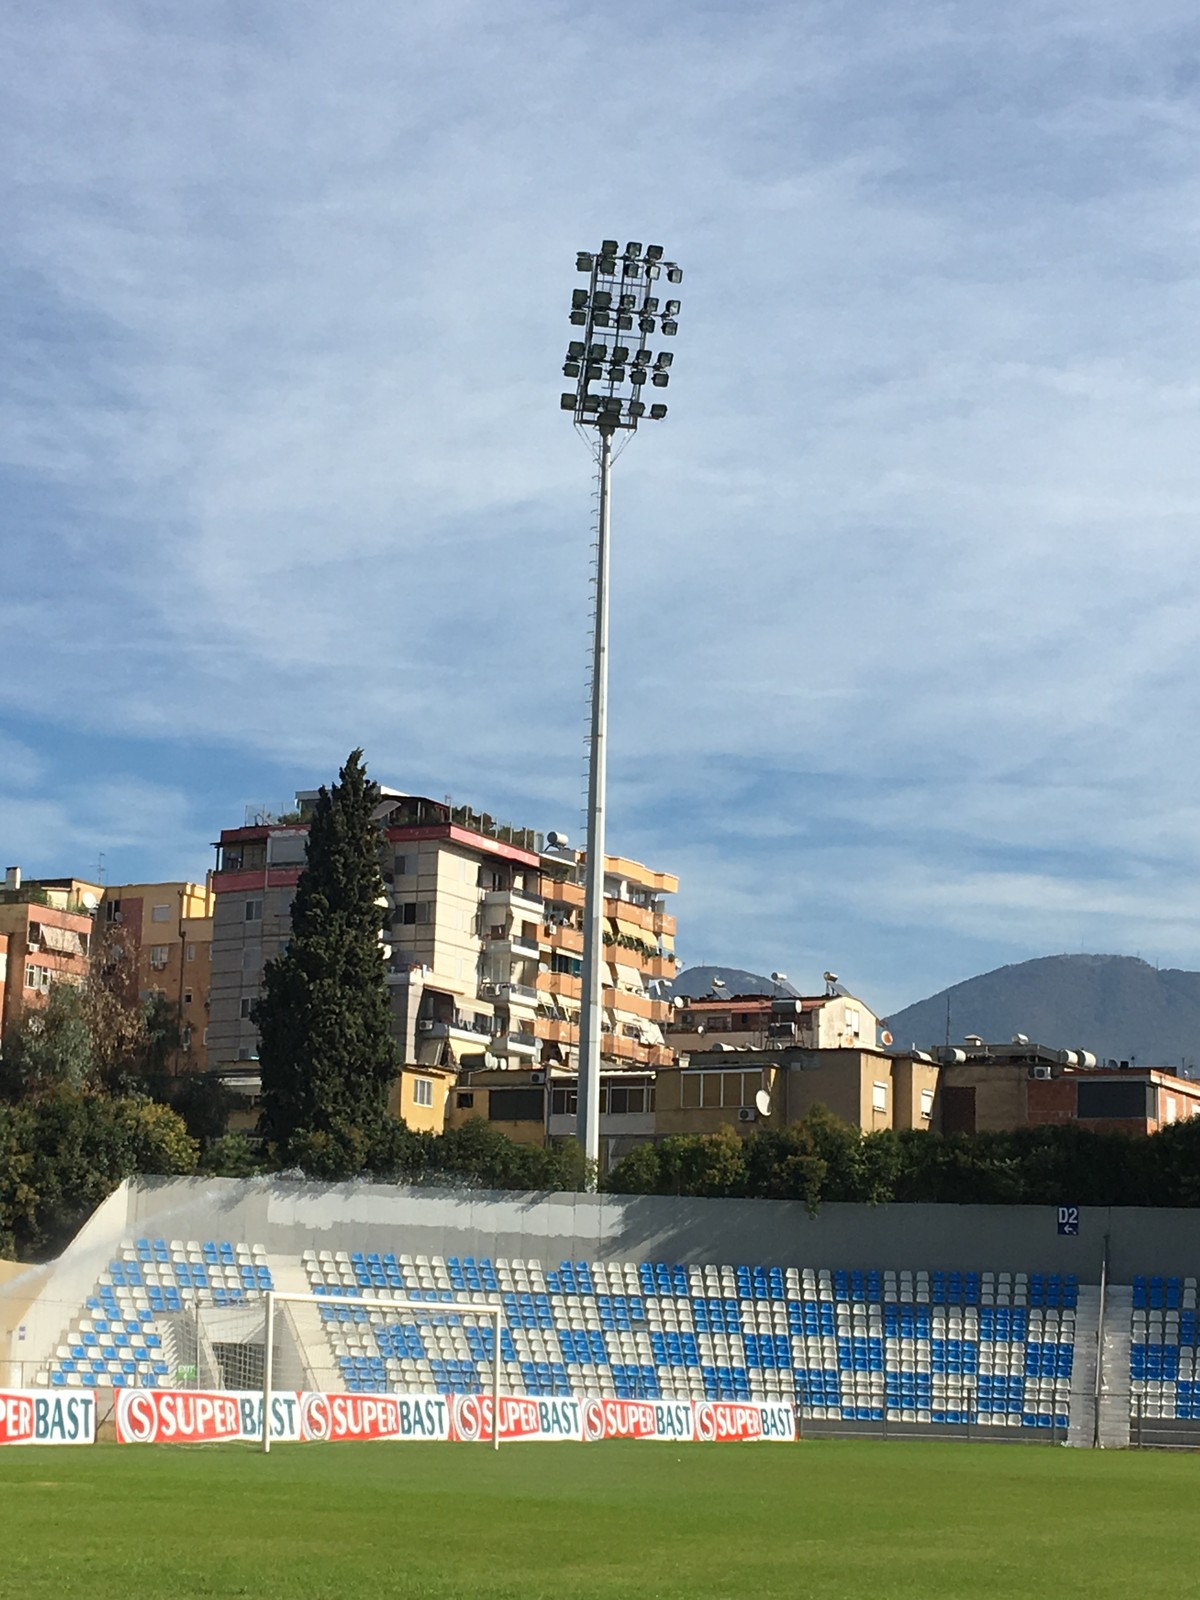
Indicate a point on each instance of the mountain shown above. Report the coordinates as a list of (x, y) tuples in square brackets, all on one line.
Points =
[(696, 982), (1116, 1006)]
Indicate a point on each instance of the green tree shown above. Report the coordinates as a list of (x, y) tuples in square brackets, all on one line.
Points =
[(48, 1047), (325, 1039)]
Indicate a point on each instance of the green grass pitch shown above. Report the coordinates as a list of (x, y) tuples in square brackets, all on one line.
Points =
[(835, 1520)]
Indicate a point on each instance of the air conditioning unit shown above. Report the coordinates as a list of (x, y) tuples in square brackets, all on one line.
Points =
[(425, 1025), (537, 1077), (747, 1114), (1042, 1072)]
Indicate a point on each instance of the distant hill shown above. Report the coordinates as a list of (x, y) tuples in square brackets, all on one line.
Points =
[(696, 982), (1115, 1006)]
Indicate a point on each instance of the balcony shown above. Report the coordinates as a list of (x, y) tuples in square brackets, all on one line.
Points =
[(567, 894), (521, 902), (562, 938), (555, 1031), (660, 967), (516, 994), (515, 1044), (516, 944), (560, 983), (443, 1028)]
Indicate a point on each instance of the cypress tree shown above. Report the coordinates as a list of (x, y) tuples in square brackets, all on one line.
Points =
[(325, 1039)]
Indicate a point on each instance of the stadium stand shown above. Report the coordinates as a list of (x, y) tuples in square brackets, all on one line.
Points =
[(126, 1334), (957, 1347), (1164, 1381)]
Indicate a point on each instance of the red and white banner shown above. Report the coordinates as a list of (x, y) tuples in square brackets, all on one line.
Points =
[(638, 1419), (521, 1418), (334, 1417), (46, 1416), (201, 1416), (165, 1416), (735, 1420)]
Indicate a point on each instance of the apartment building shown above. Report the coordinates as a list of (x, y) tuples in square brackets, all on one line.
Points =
[(42, 945), (162, 932), (831, 1021), (484, 934)]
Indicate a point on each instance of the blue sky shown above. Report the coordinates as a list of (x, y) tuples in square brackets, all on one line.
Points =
[(905, 620)]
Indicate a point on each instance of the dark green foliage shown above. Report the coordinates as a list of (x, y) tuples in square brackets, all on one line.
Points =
[(48, 1048), (231, 1156), (821, 1159), (65, 1152), (324, 1021)]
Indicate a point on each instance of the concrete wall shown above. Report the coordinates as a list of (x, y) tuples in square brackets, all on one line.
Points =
[(290, 1216)]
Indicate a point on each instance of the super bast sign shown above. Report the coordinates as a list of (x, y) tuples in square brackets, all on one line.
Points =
[(521, 1418), (333, 1417), (30, 1416), (163, 1416)]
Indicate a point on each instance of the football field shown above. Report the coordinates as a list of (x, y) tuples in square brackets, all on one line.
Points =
[(570, 1522)]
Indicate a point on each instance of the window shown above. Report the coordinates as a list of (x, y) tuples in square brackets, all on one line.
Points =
[(1133, 1098), (718, 1089), (247, 1004), (159, 954), (879, 1096), (37, 977), (927, 1102), (515, 1105), (254, 909), (422, 1091), (161, 914), (185, 1037), (1171, 1108), (191, 952), (564, 1102), (464, 1100), (204, 1037), (401, 867), (411, 913), (187, 997), (112, 911), (852, 1020)]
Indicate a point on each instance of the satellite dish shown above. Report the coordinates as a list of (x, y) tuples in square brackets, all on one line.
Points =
[(762, 1103), (885, 1038), (90, 900)]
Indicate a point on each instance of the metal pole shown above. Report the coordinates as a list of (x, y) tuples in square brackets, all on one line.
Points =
[(496, 1389), (268, 1371), (592, 1017)]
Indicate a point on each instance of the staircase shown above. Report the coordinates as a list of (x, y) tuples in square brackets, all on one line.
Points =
[(303, 1359), (1114, 1367), (1081, 1433)]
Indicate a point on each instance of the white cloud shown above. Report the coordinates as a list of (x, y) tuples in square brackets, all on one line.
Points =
[(913, 554)]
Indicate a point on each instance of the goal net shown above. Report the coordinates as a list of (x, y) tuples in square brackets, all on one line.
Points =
[(369, 1343)]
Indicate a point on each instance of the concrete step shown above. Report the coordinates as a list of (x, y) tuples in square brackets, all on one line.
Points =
[(303, 1359), (1082, 1431), (1114, 1367)]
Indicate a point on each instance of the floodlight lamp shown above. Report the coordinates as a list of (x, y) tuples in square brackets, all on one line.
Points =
[(674, 273), (597, 352), (579, 299), (650, 303), (579, 319), (609, 247), (590, 402), (583, 262), (660, 380), (652, 269), (570, 369), (617, 374), (628, 302), (665, 359), (624, 320), (576, 350), (654, 252), (636, 408), (607, 266), (644, 356), (595, 371), (670, 328), (672, 308), (658, 412), (632, 269), (567, 402), (601, 319), (602, 300), (633, 250), (646, 324), (620, 352), (637, 376)]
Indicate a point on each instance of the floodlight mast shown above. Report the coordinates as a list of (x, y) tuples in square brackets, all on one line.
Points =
[(611, 363)]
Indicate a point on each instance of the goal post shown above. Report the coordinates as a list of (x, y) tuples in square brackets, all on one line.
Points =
[(307, 1327)]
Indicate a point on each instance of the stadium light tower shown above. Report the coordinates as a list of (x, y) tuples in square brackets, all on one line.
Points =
[(624, 306)]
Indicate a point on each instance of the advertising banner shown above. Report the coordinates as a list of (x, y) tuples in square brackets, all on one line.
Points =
[(46, 1416), (743, 1420), (521, 1418), (183, 1416), (638, 1419), (334, 1417)]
